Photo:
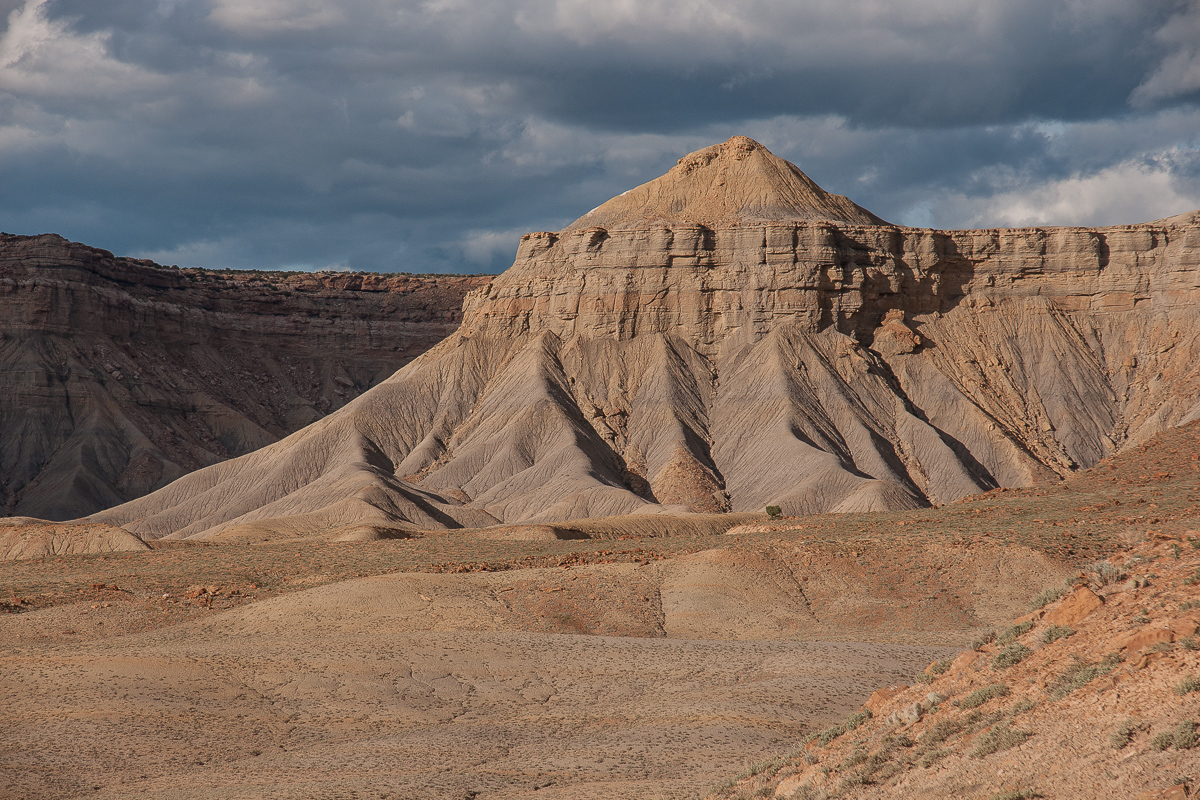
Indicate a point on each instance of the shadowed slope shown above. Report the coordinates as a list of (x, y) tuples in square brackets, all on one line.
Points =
[(118, 376), (813, 365)]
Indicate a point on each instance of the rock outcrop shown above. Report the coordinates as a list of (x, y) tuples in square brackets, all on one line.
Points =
[(729, 337), (1105, 707), (118, 376)]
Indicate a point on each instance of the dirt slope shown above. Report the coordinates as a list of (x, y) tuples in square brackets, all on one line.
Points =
[(410, 686), (118, 376), (1096, 695), (455, 662), (666, 365)]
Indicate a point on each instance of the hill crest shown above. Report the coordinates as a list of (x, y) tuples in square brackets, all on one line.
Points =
[(736, 181)]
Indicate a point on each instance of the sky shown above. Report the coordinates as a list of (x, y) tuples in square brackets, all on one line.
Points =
[(389, 135)]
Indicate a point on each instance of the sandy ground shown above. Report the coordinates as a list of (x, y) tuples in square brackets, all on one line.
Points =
[(364, 689)]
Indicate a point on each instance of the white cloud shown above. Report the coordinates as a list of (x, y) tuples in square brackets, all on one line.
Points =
[(45, 58), (1179, 72), (264, 17), (483, 247), (1132, 191)]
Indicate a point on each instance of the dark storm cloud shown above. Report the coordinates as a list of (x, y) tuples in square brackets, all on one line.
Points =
[(427, 135)]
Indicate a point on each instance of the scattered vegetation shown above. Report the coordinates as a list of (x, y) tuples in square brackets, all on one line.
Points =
[(1124, 733), (1102, 573), (1001, 737), (858, 719), (983, 641), (1046, 597), (829, 734), (1011, 633), (1081, 673), (1011, 656), (941, 667), (1023, 705), (1162, 741), (1188, 685), (1184, 736), (1017, 794), (940, 731), (980, 696), (1056, 632)]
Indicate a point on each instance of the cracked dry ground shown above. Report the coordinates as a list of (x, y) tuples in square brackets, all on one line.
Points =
[(456, 666)]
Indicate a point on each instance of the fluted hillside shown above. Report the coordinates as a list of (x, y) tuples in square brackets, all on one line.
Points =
[(120, 375), (677, 349)]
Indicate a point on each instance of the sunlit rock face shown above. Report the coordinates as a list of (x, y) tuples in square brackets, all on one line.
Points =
[(730, 336)]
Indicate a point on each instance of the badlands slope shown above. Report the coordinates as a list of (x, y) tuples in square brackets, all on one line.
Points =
[(454, 665), (730, 336), (118, 376)]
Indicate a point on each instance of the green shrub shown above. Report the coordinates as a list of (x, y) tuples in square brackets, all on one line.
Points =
[(1189, 643), (1056, 632), (1017, 794), (1046, 597), (774, 512), (1020, 629), (1000, 737), (1081, 673), (858, 719), (983, 640), (940, 731), (941, 667), (1188, 685), (1023, 705), (923, 677), (980, 696), (1123, 735), (1103, 573), (829, 734), (859, 756), (1010, 656), (1184, 736), (1162, 741)]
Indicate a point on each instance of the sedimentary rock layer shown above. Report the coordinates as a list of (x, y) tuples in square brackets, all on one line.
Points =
[(812, 361), (118, 376)]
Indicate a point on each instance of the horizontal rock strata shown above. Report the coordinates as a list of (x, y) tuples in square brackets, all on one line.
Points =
[(728, 362), (119, 375)]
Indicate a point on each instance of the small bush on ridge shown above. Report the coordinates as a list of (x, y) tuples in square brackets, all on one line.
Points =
[(980, 696), (1010, 656), (1056, 632)]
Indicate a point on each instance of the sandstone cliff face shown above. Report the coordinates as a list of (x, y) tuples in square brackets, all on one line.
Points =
[(822, 361), (120, 376)]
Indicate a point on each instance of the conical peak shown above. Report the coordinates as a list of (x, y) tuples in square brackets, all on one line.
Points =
[(736, 148), (736, 181)]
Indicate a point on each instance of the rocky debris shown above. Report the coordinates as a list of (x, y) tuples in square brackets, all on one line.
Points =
[(640, 361), (1108, 710), (118, 375)]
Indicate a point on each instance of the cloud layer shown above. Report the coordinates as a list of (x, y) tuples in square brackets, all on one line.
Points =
[(424, 136)]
